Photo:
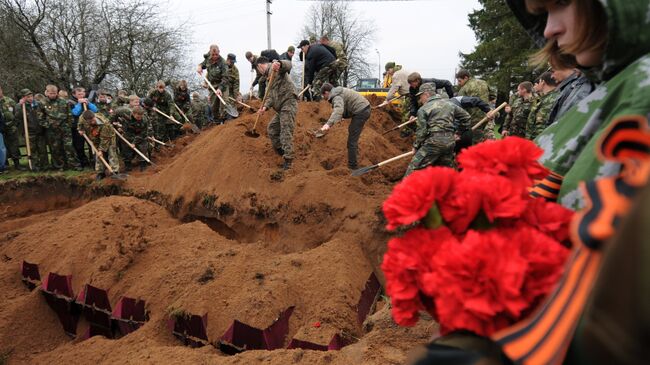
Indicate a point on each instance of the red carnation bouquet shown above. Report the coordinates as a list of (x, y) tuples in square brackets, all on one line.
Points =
[(478, 253)]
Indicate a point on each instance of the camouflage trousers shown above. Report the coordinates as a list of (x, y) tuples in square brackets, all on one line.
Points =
[(63, 153), (280, 129), (159, 128), (325, 74), (11, 143), (140, 142), (38, 148), (484, 133), (437, 150), (111, 157), (218, 109)]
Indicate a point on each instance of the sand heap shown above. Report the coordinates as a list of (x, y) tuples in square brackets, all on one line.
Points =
[(238, 242)]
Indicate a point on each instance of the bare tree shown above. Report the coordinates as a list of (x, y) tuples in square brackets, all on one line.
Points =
[(341, 24), (89, 42)]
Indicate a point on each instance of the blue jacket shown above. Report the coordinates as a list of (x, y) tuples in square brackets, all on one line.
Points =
[(78, 109)]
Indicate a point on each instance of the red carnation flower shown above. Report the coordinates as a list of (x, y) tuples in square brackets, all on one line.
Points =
[(412, 198), (478, 283), (495, 196), (550, 218), (406, 260), (512, 157)]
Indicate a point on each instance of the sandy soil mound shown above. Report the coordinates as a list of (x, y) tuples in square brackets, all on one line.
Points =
[(231, 236)]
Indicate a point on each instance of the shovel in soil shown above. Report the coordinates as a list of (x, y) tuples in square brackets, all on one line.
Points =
[(411, 120), (193, 127), (253, 132), (367, 169), (230, 110), (241, 103)]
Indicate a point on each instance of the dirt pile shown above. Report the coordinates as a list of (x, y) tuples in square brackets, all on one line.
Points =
[(237, 240)]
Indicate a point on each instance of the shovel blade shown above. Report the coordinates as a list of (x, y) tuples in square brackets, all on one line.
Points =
[(364, 170), (252, 133), (232, 111)]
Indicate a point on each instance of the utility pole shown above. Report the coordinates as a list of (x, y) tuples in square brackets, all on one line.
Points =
[(268, 23), (379, 65)]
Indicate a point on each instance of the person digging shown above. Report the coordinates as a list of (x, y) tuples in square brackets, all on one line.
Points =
[(346, 103), (281, 95)]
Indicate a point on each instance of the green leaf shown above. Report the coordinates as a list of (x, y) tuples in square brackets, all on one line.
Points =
[(433, 219), (481, 222)]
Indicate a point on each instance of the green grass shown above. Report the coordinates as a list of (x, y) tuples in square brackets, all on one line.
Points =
[(18, 175)]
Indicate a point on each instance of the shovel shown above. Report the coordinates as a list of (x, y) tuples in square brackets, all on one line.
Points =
[(241, 103), (486, 118), (303, 91), (133, 146), (195, 128), (152, 139), (114, 175), (253, 132), (386, 102), (29, 149), (230, 110), (411, 120), (365, 170)]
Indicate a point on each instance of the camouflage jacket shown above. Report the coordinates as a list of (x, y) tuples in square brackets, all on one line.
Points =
[(182, 98), (480, 89), (217, 73), (57, 114), (280, 89), (101, 134), (137, 128), (120, 101), (233, 73), (35, 115), (121, 116), (104, 108), (198, 112), (7, 106), (162, 101), (539, 114), (439, 115), (517, 120)]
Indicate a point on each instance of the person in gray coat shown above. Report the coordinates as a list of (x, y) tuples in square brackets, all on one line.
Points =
[(347, 103)]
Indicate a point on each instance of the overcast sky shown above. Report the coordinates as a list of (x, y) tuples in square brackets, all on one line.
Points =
[(423, 36)]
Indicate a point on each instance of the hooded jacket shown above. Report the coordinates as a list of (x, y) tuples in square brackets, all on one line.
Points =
[(623, 92), (345, 103)]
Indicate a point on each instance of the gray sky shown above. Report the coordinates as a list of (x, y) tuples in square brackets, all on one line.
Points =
[(423, 36)]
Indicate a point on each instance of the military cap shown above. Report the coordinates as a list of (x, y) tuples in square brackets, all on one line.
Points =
[(427, 88), (25, 92), (232, 57), (389, 65), (291, 49)]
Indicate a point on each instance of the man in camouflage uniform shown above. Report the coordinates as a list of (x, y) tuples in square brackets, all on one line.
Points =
[(540, 111), (35, 119), (102, 135), (121, 100), (136, 130), (164, 129), (319, 66), (517, 118), (437, 122), (476, 87), (181, 97), (103, 103), (219, 78), (12, 129), (283, 98), (233, 72), (336, 48), (57, 124), (199, 110)]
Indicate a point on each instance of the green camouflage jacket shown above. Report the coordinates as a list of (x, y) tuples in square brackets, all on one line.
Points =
[(480, 89), (7, 106), (217, 73), (516, 121), (281, 88), (104, 108), (624, 93), (120, 101), (233, 73), (102, 134), (57, 114), (539, 114), (35, 115), (439, 115)]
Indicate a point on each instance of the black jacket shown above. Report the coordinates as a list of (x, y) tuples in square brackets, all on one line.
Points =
[(317, 57), (440, 84), (285, 57), (271, 54)]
